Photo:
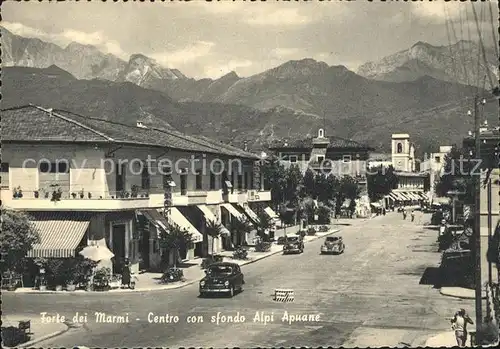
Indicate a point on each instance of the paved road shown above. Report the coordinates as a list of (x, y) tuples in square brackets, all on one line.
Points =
[(370, 295)]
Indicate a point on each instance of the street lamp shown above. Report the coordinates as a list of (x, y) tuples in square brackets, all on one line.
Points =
[(477, 217)]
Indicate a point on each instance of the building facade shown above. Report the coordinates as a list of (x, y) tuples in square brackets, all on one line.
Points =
[(89, 181), (433, 164)]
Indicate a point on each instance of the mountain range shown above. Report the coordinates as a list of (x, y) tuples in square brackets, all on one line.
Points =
[(420, 96)]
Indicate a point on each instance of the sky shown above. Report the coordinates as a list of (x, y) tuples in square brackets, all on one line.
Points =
[(209, 39)]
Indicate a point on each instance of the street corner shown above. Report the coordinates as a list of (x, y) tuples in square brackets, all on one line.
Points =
[(442, 340), (460, 292), (27, 330)]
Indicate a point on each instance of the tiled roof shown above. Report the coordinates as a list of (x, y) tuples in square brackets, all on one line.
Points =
[(335, 142), (36, 124)]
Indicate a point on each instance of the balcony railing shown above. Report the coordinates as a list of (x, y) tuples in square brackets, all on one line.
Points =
[(58, 194)]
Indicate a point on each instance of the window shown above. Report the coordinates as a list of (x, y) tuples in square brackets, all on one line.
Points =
[(346, 158), (245, 176), (54, 167), (321, 133), (320, 158), (399, 148), (168, 182), (199, 180), (4, 174), (212, 181), (293, 158), (183, 177), (240, 182), (145, 179), (438, 159)]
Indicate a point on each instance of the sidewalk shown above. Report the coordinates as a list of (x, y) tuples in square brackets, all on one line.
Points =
[(460, 292), (444, 339), (39, 331), (192, 269)]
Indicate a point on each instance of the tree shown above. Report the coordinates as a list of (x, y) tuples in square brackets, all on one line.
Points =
[(265, 222), (348, 189), (175, 239), (458, 174), (380, 182), (308, 182), (214, 230), (240, 228), (275, 177), (17, 238), (293, 180)]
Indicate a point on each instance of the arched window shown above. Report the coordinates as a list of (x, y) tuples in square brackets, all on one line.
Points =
[(321, 133), (399, 148)]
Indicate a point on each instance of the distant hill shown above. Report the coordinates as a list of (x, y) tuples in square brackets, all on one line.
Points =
[(455, 63), (368, 111)]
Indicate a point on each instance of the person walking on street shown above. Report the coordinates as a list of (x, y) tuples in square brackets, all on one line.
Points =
[(404, 213), (126, 273), (459, 325), (412, 215)]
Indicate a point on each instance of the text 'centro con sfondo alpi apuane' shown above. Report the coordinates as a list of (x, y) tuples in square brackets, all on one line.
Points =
[(153, 318)]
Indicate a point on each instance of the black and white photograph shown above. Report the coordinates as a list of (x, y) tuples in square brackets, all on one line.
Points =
[(250, 174)]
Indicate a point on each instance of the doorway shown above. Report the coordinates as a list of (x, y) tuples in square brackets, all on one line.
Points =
[(118, 246), (144, 250)]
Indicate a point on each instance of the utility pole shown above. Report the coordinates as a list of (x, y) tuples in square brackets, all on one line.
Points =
[(477, 222)]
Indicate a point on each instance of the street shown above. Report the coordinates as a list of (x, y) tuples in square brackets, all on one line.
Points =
[(369, 296)]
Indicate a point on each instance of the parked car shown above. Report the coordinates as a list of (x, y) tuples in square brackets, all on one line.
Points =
[(333, 244), (293, 244), (222, 277)]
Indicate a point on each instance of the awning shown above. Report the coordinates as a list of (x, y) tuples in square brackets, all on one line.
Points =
[(404, 197), (412, 196), (376, 204), (60, 233), (178, 218), (269, 211), (253, 216), (209, 216), (156, 218), (234, 212), (394, 196)]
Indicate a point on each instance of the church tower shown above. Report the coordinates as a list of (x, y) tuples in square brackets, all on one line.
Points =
[(401, 152)]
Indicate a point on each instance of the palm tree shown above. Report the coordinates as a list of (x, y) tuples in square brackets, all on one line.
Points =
[(214, 230), (240, 228), (175, 238)]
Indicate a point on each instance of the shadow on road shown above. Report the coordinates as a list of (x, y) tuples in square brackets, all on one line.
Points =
[(438, 278)]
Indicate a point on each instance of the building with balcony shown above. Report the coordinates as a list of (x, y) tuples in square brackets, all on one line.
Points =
[(85, 181), (433, 164)]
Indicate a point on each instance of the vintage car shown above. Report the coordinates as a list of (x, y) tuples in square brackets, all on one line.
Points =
[(333, 244), (293, 244), (222, 277)]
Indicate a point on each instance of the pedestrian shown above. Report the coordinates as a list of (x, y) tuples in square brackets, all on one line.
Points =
[(459, 325), (412, 215), (404, 213), (383, 211), (126, 273)]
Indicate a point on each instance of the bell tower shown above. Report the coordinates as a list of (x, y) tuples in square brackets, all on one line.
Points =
[(401, 152)]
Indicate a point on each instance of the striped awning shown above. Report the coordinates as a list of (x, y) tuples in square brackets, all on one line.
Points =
[(253, 216), (178, 218), (269, 211), (156, 218), (394, 197), (209, 216), (60, 233), (413, 196), (234, 212)]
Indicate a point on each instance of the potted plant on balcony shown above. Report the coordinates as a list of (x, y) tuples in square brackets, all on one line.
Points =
[(135, 191), (82, 194), (89, 194), (56, 194), (73, 194), (36, 193), (18, 193)]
